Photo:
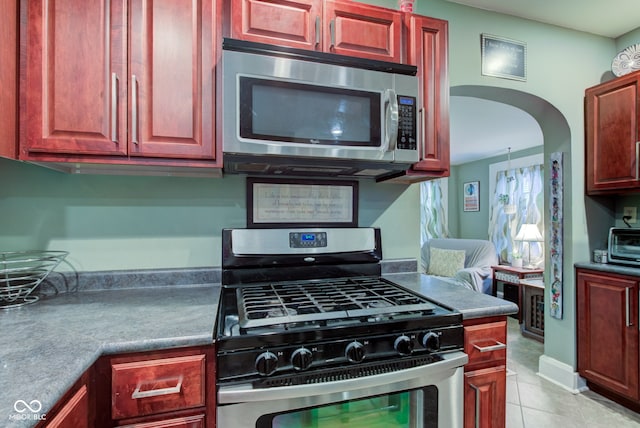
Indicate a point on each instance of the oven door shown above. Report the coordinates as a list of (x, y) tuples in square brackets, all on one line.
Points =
[(426, 396)]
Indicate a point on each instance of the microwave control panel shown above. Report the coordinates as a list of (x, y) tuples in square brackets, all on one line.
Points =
[(407, 129)]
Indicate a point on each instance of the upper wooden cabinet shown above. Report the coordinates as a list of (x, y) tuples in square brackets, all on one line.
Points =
[(612, 112), (117, 81), (427, 48), (8, 77), (342, 27)]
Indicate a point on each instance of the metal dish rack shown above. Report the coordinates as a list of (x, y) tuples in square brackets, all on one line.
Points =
[(22, 272)]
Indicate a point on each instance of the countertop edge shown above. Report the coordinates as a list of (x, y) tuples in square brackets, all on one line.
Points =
[(609, 267)]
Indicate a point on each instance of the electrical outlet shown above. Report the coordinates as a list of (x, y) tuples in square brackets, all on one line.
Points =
[(630, 212)]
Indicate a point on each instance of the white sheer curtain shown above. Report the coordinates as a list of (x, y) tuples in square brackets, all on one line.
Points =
[(523, 188), (433, 218)]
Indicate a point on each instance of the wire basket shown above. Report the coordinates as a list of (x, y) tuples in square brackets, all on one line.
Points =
[(22, 272)]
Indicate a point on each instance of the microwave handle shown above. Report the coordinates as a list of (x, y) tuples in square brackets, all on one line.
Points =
[(391, 120)]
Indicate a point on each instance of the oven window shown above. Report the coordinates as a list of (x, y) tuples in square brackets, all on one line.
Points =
[(411, 409), (309, 114)]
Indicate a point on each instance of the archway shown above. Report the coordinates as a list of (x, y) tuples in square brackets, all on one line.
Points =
[(556, 138)]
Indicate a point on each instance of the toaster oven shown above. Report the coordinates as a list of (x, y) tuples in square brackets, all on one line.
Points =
[(624, 246)]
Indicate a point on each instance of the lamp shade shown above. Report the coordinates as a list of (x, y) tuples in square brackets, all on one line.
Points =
[(528, 232)]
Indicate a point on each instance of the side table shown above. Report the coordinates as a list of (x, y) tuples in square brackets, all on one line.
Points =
[(510, 278), (533, 308)]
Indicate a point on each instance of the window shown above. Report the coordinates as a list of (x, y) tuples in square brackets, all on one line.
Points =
[(517, 200), (433, 212)]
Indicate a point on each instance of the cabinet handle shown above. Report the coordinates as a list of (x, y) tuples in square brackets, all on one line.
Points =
[(332, 30), (134, 110), (137, 394), (497, 347), (478, 403), (627, 292), (637, 158), (422, 142), (114, 107), (317, 31)]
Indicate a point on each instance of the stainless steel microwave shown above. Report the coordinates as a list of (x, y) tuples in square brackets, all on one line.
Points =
[(624, 246), (295, 112)]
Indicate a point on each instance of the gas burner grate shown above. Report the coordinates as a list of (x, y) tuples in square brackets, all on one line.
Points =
[(326, 299)]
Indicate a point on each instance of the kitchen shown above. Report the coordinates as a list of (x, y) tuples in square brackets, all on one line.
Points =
[(125, 222)]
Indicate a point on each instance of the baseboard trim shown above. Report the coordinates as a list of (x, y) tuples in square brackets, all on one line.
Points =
[(561, 374)]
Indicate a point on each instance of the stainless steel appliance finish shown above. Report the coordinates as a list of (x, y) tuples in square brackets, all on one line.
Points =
[(243, 406), (295, 112), (624, 246), (306, 321)]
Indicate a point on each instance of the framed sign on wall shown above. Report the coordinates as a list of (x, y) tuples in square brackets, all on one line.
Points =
[(273, 202), (502, 57)]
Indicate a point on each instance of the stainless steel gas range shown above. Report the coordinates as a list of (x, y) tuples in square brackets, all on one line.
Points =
[(310, 334)]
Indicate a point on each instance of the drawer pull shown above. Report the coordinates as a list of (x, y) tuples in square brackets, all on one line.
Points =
[(497, 347), (157, 392)]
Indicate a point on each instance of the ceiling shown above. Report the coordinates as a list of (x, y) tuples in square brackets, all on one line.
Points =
[(610, 18), (474, 121), (481, 129)]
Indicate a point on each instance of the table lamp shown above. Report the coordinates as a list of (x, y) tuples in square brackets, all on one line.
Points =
[(529, 233)]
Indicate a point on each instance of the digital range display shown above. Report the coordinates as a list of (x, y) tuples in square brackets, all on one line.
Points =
[(407, 101), (307, 239)]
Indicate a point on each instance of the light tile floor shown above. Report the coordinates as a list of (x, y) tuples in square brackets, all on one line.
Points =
[(534, 402)]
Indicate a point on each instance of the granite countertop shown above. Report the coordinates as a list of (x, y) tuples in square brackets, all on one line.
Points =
[(48, 345), (470, 303)]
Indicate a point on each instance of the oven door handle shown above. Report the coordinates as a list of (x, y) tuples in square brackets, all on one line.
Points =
[(414, 377)]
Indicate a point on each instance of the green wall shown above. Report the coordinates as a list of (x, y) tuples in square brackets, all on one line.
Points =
[(129, 222), (631, 38)]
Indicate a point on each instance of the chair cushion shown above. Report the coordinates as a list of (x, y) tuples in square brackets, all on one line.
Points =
[(445, 262)]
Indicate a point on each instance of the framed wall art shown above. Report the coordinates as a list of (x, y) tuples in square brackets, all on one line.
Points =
[(274, 202), (502, 57), (471, 196)]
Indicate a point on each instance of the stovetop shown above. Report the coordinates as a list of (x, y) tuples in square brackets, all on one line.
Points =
[(308, 305), (325, 299)]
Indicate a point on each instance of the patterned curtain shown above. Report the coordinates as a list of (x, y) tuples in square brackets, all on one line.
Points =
[(519, 188), (433, 218)]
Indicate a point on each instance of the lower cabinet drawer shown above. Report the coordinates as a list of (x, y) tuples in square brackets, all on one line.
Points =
[(486, 343), (186, 422), (154, 386)]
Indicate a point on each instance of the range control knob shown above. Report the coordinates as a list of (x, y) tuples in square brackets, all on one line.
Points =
[(403, 345), (431, 341), (355, 352), (266, 363), (301, 358)]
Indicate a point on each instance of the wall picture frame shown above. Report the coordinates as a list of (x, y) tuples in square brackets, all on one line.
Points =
[(471, 196), (275, 202), (503, 57)]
